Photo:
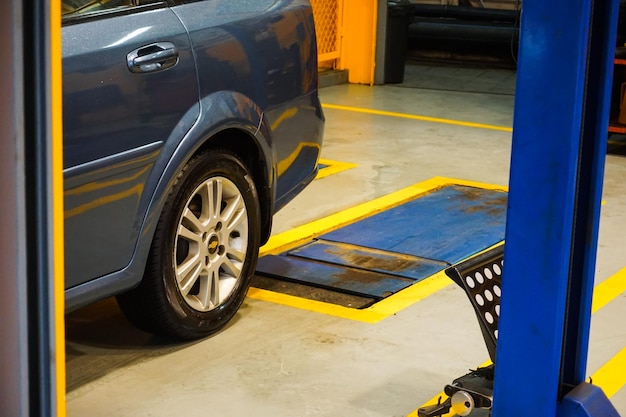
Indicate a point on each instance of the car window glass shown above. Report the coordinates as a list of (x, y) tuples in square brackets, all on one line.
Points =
[(89, 6), (80, 7)]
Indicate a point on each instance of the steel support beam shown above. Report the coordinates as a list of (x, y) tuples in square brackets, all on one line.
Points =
[(557, 167)]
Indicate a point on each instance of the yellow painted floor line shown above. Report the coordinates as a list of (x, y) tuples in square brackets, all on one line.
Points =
[(390, 305), (611, 377), (333, 167), (608, 290), (365, 315), (379, 311), (417, 117)]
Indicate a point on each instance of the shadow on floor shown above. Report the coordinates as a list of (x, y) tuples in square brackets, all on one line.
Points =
[(99, 340)]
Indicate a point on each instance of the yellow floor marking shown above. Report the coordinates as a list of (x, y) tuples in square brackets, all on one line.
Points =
[(417, 117), (611, 377), (286, 163), (366, 316), (373, 314), (410, 295), (608, 290), (390, 305), (333, 167)]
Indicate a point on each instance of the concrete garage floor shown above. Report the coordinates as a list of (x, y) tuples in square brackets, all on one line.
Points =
[(277, 360)]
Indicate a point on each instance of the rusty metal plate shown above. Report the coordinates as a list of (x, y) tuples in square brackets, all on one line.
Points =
[(389, 263), (340, 278)]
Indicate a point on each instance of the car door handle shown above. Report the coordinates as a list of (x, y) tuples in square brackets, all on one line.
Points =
[(154, 57)]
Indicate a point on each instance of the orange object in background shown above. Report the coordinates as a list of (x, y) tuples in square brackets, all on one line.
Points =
[(346, 37), (328, 15)]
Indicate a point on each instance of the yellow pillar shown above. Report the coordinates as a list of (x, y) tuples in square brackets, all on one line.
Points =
[(358, 43)]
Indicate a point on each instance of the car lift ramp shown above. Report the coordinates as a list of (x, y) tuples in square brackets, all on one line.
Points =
[(562, 97)]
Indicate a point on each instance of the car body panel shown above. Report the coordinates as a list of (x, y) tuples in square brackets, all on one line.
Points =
[(301, 115), (101, 204), (271, 59), (114, 196), (226, 110)]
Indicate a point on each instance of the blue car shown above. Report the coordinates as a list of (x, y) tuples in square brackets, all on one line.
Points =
[(187, 125)]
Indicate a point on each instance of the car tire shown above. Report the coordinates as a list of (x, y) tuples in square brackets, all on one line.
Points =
[(203, 253)]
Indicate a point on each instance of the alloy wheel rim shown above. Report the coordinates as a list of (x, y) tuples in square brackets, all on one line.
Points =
[(211, 244)]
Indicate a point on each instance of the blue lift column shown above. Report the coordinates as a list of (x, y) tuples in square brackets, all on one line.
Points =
[(557, 167)]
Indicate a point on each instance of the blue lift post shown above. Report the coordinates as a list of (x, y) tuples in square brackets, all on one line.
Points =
[(557, 167)]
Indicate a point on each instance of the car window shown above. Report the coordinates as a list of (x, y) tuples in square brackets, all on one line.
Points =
[(73, 8), (89, 6)]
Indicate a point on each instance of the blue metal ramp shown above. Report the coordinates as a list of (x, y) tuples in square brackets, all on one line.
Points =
[(382, 254)]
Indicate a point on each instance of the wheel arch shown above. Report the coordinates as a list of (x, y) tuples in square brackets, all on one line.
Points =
[(230, 121), (248, 149)]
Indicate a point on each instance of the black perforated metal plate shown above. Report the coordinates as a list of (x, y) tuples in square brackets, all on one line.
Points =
[(481, 278)]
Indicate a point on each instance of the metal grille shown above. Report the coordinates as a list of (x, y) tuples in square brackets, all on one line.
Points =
[(481, 278), (327, 15)]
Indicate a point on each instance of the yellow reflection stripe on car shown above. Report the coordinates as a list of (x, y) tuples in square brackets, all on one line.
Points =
[(287, 114), (418, 117), (611, 376), (333, 167), (137, 189), (94, 186), (284, 164), (390, 305)]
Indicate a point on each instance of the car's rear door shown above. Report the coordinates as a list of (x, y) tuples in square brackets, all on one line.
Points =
[(129, 84)]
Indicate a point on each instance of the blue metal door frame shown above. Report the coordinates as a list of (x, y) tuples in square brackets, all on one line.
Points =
[(559, 143)]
